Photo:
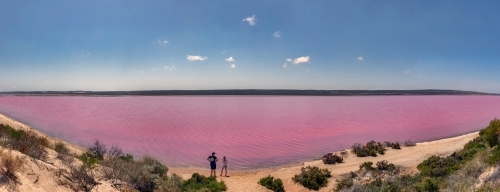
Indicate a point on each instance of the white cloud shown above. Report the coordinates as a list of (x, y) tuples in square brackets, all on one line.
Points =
[(154, 69), (161, 42), (360, 58), (224, 52), (285, 65), (195, 58), (307, 70), (288, 60), (277, 34), (407, 71), (230, 59), (303, 59), (169, 68), (251, 20), (233, 66)]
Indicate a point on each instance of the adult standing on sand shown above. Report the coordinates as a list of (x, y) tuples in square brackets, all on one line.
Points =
[(212, 160), (224, 166)]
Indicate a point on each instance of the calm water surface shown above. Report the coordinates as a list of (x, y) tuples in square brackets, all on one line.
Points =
[(252, 131)]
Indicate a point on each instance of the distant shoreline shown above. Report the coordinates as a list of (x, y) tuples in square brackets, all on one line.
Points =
[(247, 92)]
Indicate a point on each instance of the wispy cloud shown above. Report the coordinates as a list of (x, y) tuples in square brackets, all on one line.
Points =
[(252, 21), (360, 58), (277, 34), (161, 42), (233, 66), (195, 58), (288, 60), (407, 72), (224, 52), (169, 68), (285, 65), (303, 59), (230, 59)]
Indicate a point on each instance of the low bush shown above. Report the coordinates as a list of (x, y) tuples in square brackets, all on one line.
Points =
[(89, 160), (331, 158), (428, 185), (97, 150), (272, 184), (345, 183), (409, 143), (9, 165), (366, 166), (370, 149), (171, 184), (145, 174), (393, 145), (491, 133), (83, 178), (494, 158), (312, 177), (199, 182), (27, 142), (384, 165)]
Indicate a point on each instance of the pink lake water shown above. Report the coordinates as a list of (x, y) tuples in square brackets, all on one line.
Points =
[(252, 131)]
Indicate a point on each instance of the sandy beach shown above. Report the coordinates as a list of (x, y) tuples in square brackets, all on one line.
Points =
[(246, 180)]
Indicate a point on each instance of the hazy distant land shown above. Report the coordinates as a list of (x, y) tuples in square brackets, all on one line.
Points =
[(282, 92)]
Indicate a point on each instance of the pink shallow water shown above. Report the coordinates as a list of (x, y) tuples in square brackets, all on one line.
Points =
[(252, 131)]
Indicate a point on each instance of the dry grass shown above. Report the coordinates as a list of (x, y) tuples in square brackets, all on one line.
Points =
[(10, 166)]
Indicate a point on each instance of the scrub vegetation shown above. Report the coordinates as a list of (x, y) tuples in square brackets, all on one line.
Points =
[(373, 148), (312, 177), (463, 170), (272, 184)]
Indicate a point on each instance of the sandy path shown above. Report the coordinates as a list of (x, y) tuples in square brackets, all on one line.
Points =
[(246, 180)]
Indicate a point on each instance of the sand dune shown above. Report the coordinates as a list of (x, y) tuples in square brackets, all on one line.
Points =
[(39, 176)]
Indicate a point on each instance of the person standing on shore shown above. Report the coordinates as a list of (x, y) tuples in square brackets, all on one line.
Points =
[(224, 166), (212, 160)]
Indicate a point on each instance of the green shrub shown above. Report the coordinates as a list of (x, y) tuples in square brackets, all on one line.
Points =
[(272, 184), (427, 185), (27, 142), (370, 149), (494, 158), (98, 150), (490, 134), (345, 183), (199, 182), (435, 166), (331, 158), (145, 174), (409, 143), (88, 160), (384, 165), (366, 166), (170, 184), (312, 177)]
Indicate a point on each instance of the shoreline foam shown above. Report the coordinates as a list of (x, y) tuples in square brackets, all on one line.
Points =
[(246, 180)]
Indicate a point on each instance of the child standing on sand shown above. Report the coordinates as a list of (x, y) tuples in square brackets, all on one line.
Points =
[(224, 166)]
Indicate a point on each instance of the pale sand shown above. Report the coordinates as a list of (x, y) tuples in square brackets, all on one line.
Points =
[(246, 180)]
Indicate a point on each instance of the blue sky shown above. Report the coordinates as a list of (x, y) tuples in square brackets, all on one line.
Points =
[(152, 45)]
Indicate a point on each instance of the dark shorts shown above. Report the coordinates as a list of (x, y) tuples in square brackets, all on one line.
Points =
[(212, 166)]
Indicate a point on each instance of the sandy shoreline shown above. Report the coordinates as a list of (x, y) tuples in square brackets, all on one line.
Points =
[(246, 180)]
